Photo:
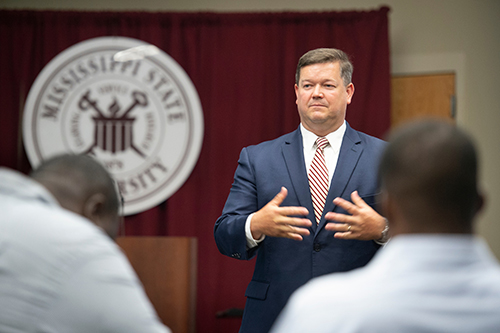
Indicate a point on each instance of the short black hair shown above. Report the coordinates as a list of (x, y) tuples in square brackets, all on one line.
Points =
[(90, 175), (436, 162)]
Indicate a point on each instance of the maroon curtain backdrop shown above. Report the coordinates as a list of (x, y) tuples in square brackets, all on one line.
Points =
[(243, 67)]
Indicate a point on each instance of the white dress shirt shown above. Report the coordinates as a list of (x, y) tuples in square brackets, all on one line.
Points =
[(331, 153), (416, 283), (59, 272)]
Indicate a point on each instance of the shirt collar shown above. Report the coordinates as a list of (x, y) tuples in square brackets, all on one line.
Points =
[(14, 183), (334, 138)]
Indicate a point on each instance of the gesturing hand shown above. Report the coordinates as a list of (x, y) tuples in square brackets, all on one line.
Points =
[(364, 223), (273, 220)]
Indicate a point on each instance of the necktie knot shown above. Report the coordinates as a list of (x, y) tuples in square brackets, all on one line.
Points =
[(321, 143)]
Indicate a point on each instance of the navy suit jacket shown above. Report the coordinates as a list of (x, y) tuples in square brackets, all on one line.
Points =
[(282, 264)]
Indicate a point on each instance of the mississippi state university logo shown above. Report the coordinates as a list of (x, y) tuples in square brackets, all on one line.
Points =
[(126, 103)]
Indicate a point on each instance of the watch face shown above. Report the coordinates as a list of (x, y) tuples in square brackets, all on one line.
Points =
[(385, 233)]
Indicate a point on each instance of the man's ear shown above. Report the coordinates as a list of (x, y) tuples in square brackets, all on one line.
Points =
[(93, 208), (296, 94), (480, 203), (349, 92)]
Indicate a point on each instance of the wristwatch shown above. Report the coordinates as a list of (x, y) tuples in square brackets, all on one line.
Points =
[(385, 233)]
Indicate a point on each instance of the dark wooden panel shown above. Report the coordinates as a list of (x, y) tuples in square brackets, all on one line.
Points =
[(167, 268)]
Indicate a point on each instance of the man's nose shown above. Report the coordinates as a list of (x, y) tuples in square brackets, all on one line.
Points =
[(317, 92)]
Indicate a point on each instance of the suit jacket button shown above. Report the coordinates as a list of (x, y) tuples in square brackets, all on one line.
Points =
[(317, 247), (236, 255)]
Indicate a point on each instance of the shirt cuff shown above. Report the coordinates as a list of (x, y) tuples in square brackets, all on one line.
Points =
[(251, 243)]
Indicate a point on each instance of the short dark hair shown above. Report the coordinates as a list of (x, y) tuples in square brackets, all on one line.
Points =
[(91, 176), (326, 55), (435, 162)]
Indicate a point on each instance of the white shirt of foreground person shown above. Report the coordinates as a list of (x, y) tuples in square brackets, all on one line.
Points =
[(59, 272), (417, 283)]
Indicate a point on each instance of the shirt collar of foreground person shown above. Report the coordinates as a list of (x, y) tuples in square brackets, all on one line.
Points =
[(61, 273), (434, 275)]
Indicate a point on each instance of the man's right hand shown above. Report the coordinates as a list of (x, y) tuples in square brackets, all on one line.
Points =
[(275, 221)]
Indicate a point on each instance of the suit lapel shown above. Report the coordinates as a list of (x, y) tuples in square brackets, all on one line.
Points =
[(349, 154), (293, 153)]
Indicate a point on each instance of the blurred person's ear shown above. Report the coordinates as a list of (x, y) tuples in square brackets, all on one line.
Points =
[(93, 209)]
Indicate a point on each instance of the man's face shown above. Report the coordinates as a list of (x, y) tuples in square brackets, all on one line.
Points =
[(322, 97)]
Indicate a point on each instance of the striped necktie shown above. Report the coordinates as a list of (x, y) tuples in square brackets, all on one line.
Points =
[(318, 178)]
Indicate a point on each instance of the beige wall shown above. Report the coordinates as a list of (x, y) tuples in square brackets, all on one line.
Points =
[(426, 36)]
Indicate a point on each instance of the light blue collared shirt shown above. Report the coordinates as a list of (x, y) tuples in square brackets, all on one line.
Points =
[(416, 283)]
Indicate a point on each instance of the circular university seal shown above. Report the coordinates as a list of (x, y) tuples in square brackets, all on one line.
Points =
[(128, 104)]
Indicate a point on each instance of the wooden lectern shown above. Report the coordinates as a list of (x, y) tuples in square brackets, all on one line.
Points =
[(166, 267)]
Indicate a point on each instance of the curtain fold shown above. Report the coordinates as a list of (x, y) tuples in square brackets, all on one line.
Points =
[(243, 67)]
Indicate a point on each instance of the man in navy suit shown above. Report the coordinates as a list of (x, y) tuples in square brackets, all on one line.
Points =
[(269, 211)]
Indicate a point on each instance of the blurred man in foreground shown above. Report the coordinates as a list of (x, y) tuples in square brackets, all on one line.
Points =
[(434, 275), (58, 271)]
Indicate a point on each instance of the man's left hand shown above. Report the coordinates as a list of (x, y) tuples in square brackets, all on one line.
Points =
[(364, 223)]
